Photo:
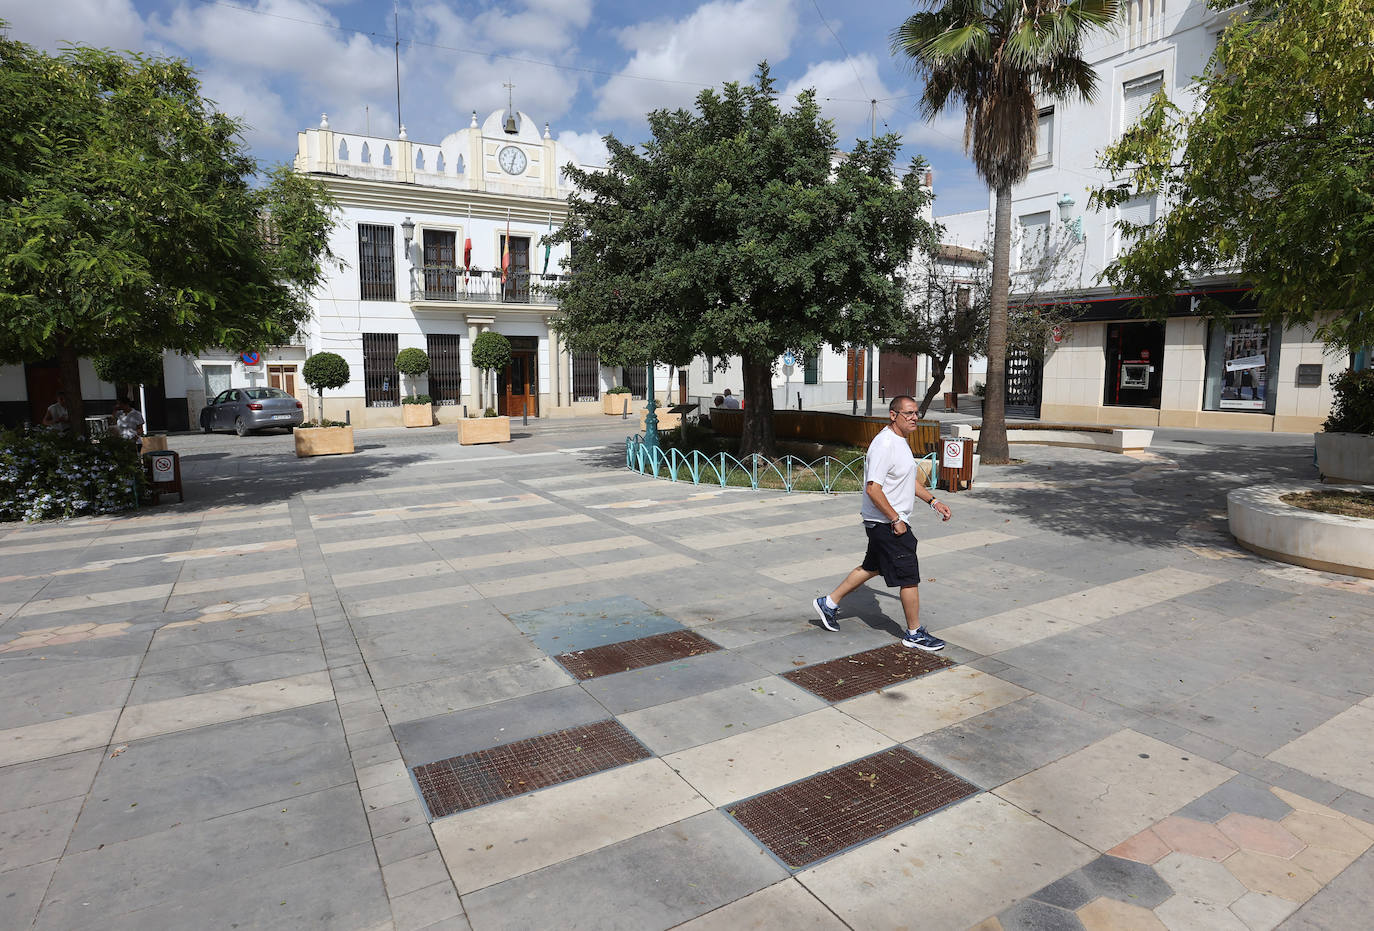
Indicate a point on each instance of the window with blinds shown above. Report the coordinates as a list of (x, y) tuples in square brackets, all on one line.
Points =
[(1035, 236), (445, 379), (586, 376), (1138, 211), (377, 262), (1135, 97), (381, 382), (1044, 138)]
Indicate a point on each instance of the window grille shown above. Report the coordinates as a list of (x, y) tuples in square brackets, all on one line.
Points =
[(811, 368), (586, 376), (441, 265), (445, 377), (636, 379), (377, 262), (381, 382)]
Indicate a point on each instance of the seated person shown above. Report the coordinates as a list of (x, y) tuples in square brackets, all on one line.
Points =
[(731, 402)]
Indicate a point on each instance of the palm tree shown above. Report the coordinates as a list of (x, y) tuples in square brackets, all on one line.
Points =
[(999, 59)]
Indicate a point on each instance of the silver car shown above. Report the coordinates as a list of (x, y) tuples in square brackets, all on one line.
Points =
[(246, 409)]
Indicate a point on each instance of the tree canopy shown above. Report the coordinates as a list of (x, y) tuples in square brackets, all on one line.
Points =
[(1269, 176), (129, 216), (737, 229), (998, 60)]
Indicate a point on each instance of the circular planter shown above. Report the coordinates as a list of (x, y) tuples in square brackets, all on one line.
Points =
[(1263, 524)]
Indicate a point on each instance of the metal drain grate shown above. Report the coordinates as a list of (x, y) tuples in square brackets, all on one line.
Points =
[(864, 672), (635, 654), (829, 812), (464, 782)]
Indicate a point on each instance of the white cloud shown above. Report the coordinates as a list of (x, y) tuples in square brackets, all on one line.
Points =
[(719, 41), (548, 25), (849, 84), (51, 23), (945, 133), (588, 149)]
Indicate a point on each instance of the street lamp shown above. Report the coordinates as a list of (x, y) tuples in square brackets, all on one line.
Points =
[(408, 231), (650, 418), (1072, 223)]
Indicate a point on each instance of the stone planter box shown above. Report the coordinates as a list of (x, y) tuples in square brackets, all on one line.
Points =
[(323, 441), (614, 404), (666, 421), (417, 415), (1345, 457), (154, 442), (1263, 524), (474, 430)]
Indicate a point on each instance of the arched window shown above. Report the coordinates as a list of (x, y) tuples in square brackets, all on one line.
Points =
[(367, 155), (386, 155), (459, 169), (419, 159), (439, 163), (343, 150)]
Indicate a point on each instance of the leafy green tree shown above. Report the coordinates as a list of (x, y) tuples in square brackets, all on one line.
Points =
[(129, 216), (325, 370), (1269, 177), (999, 60), (412, 361), (490, 354), (946, 316), (128, 368), (737, 230)]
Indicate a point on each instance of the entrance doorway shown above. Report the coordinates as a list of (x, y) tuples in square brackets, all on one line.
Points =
[(1135, 364), (517, 385), (43, 380), (896, 374), (283, 377), (854, 375)]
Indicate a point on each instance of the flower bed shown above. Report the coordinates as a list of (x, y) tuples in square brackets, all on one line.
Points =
[(46, 475)]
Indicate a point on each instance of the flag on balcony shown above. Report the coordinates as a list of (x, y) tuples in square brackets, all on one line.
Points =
[(505, 252), (548, 247), (467, 252)]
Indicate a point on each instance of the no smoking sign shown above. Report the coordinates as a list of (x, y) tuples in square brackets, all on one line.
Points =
[(953, 454), (162, 468)]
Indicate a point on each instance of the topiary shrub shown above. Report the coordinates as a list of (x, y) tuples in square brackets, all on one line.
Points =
[(412, 361), (129, 367), (1352, 405), (490, 352), (46, 474), (325, 370)]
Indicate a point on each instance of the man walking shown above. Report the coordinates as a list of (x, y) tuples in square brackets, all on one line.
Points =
[(890, 493)]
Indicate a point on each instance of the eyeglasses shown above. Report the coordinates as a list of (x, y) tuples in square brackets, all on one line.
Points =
[(915, 413)]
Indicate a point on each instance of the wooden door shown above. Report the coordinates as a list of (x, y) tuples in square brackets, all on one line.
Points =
[(682, 386), (283, 377), (43, 381), (896, 374), (854, 375), (518, 386)]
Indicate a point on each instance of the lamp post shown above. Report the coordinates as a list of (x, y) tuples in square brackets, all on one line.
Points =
[(408, 231), (1072, 223), (650, 418)]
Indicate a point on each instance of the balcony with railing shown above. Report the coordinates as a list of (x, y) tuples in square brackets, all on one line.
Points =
[(446, 283)]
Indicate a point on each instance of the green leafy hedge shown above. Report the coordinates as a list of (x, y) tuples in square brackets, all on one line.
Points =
[(46, 474), (1352, 406)]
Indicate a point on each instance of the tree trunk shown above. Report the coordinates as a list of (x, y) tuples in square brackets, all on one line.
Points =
[(937, 379), (758, 435), (69, 363), (992, 439)]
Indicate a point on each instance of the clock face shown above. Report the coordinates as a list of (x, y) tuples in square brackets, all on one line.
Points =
[(512, 160)]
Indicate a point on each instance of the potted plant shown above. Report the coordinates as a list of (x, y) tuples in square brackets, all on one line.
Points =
[(324, 437), (417, 410), (617, 400), (1345, 447), (490, 352)]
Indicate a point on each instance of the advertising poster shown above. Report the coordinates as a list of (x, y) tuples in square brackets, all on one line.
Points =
[(1244, 385)]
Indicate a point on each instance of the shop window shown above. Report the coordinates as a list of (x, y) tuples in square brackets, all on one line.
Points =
[(1135, 364), (1242, 360)]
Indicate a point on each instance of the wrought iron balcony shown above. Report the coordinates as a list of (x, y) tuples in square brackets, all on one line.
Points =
[(447, 283)]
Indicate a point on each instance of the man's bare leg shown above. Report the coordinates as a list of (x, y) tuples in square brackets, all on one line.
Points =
[(911, 605), (852, 581)]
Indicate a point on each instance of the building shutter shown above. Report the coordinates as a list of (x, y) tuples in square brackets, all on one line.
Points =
[(1135, 96)]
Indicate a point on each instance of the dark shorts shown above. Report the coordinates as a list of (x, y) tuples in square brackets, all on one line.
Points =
[(891, 555)]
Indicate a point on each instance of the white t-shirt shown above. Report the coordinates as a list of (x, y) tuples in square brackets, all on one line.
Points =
[(890, 464), (129, 423)]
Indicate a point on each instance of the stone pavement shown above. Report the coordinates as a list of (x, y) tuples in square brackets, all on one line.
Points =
[(222, 713)]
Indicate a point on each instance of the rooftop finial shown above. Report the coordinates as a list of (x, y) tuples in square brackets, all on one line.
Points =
[(473, 124), (403, 131), (546, 132), (324, 121)]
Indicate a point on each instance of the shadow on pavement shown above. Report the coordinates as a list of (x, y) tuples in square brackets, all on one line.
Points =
[(269, 486)]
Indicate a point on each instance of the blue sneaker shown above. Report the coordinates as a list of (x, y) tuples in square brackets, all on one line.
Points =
[(827, 614), (921, 639)]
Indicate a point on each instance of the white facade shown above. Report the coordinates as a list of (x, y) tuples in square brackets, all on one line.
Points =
[(1160, 45)]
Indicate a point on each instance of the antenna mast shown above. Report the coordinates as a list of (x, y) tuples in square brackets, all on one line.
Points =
[(396, 25)]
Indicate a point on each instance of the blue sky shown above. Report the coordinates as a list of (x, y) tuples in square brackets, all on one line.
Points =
[(587, 67)]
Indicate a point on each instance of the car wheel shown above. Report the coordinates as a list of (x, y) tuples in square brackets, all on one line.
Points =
[(205, 424), (240, 427)]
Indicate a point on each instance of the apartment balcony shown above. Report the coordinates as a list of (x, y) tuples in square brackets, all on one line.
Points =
[(445, 284)]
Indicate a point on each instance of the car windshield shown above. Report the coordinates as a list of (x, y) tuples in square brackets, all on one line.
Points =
[(257, 394)]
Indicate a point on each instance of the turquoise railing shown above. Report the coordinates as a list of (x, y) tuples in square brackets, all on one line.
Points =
[(824, 475)]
